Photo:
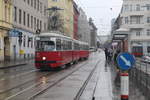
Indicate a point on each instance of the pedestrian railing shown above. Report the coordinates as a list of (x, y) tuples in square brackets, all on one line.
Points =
[(140, 76)]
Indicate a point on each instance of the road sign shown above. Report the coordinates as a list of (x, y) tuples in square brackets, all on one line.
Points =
[(125, 61)]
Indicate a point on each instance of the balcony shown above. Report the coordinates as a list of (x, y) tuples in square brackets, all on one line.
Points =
[(133, 13), (140, 38)]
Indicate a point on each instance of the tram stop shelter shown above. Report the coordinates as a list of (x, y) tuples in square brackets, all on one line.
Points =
[(121, 37)]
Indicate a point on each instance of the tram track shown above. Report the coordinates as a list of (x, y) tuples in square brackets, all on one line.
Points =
[(24, 83), (39, 83), (63, 78), (55, 83), (80, 92)]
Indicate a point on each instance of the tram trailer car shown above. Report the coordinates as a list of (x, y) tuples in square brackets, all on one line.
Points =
[(55, 50)]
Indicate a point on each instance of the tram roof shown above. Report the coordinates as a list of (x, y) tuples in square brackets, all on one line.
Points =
[(58, 34), (54, 34)]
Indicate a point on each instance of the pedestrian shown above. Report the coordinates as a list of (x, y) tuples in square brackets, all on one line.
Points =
[(110, 54), (117, 79), (115, 57), (106, 53)]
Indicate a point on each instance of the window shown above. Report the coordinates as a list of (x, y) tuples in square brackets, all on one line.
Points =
[(31, 42), (126, 8), (28, 41), (31, 3), (148, 49), (15, 14), (126, 20), (28, 18), (37, 23), (76, 46), (148, 19), (31, 21), (5, 13), (135, 19), (35, 4), (24, 18), (55, 0), (45, 46), (148, 6), (24, 42), (137, 7), (44, 26), (148, 32), (38, 5), (44, 10), (28, 2), (40, 25), (131, 8), (20, 16), (58, 44), (69, 45), (34, 23), (138, 33)]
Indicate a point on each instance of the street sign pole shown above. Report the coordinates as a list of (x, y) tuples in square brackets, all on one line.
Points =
[(124, 86), (125, 62)]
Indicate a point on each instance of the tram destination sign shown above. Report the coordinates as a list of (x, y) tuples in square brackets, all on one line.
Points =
[(45, 38)]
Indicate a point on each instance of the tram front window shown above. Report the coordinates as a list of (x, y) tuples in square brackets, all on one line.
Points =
[(46, 46)]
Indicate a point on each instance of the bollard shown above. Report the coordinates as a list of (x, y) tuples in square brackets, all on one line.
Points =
[(124, 86)]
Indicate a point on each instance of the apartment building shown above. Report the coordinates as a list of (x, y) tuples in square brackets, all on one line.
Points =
[(28, 17), (135, 19), (84, 33), (5, 27)]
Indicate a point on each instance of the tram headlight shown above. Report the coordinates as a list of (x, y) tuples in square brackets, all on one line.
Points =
[(44, 58)]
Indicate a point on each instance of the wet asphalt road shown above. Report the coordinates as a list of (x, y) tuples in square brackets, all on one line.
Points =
[(22, 82), (14, 80)]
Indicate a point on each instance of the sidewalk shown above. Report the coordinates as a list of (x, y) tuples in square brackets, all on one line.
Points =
[(10, 64), (104, 87)]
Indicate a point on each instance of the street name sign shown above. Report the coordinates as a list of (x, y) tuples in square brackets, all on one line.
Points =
[(125, 61)]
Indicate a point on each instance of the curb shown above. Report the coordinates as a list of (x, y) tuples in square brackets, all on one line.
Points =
[(13, 66)]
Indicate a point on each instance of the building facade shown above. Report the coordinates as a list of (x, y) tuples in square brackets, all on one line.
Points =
[(93, 33), (67, 14), (83, 27), (5, 27), (76, 19), (135, 16), (28, 17)]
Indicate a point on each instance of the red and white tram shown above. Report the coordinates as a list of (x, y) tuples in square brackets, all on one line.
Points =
[(55, 50)]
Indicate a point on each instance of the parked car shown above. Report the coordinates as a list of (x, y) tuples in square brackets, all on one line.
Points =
[(146, 59)]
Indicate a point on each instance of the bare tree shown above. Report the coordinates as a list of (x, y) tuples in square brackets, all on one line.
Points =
[(55, 21)]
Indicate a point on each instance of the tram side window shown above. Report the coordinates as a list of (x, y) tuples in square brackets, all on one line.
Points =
[(70, 45), (76, 46), (148, 49), (58, 44), (64, 44), (81, 47)]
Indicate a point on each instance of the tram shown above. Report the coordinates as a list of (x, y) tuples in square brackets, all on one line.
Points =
[(56, 51)]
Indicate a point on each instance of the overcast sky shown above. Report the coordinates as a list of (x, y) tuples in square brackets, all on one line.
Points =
[(101, 12)]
